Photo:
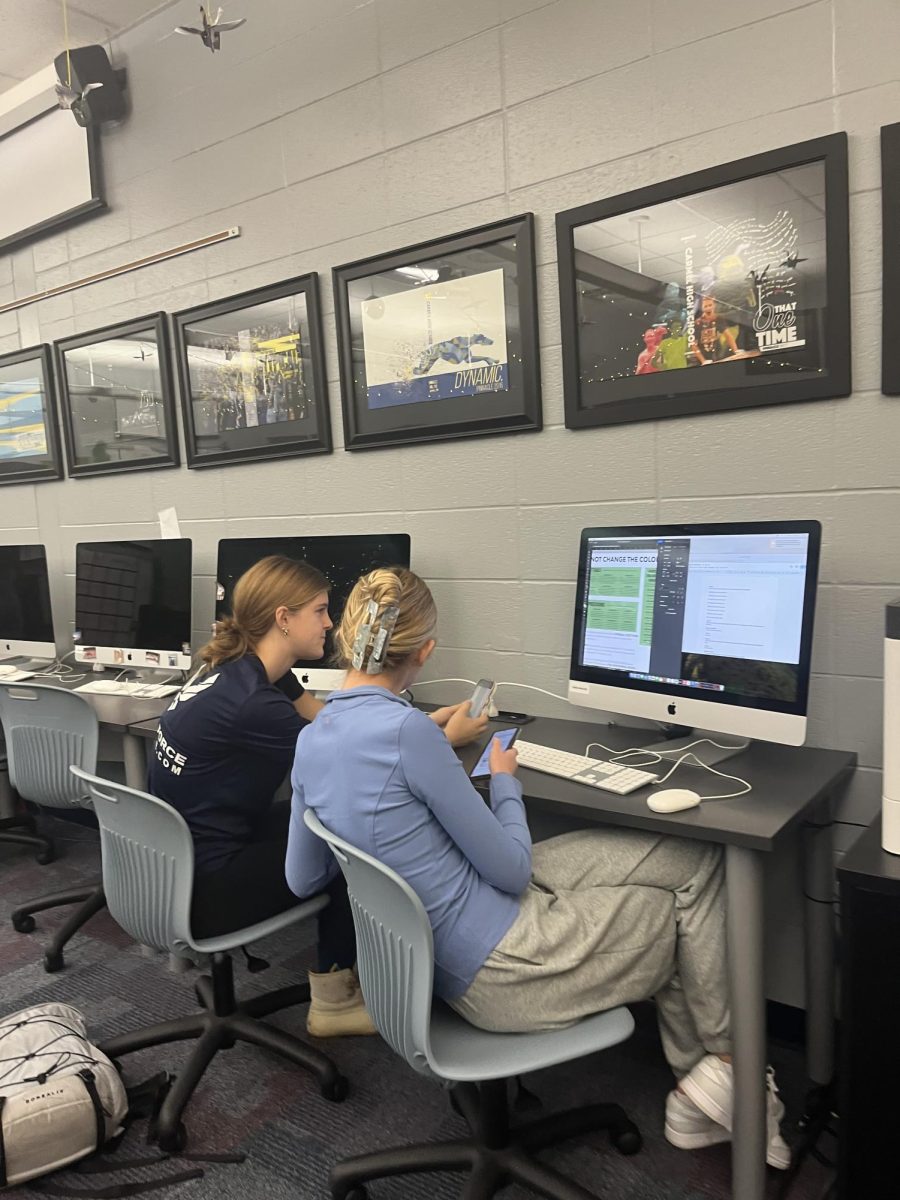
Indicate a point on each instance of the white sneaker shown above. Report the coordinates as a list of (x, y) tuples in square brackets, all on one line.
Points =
[(710, 1085), (688, 1128)]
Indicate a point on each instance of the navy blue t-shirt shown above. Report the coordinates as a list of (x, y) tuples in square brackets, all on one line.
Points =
[(223, 747)]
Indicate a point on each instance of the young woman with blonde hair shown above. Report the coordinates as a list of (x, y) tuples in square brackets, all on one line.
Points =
[(524, 938)]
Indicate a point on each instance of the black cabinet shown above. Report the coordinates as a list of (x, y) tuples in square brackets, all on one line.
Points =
[(869, 1072)]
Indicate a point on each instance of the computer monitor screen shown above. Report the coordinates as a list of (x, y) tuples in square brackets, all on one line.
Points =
[(26, 621), (133, 603), (341, 559), (707, 625)]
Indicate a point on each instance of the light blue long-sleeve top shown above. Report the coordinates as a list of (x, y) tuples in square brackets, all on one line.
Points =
[(382, 775)]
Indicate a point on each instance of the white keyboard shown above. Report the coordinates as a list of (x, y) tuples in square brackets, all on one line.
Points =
[(127, 687), (611, 777), (14, 675)]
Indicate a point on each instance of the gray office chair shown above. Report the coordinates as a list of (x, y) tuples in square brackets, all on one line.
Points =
[(148, 875), (395, 954), (47, 729), (20, 828)]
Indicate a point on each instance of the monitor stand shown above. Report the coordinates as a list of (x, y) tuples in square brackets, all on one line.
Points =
[(680, 738)]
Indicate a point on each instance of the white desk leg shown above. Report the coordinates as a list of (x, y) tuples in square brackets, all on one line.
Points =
[(745, 885), (818, 934), (134, 751)]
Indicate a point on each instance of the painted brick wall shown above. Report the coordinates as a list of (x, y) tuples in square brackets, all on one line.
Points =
[(331, 129)]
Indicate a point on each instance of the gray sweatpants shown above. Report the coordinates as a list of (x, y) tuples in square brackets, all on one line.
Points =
[(611, 917)]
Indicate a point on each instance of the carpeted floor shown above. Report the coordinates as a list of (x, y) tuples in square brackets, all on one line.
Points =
[(252, 1102)]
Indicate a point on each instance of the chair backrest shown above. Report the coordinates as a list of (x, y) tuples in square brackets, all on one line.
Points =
[(47, 730), (394, 949), (148, 863)]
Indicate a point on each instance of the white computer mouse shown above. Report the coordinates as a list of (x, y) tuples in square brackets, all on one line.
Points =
[(672, 800)]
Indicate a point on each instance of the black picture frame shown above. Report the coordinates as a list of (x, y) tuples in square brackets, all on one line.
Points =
[(607, 376), (890, 278), (397, 388), (18, 465), (71, 216), (221, 424), (118, 379)]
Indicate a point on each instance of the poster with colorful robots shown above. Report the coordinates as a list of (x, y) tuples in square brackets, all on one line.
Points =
[(436, 341)]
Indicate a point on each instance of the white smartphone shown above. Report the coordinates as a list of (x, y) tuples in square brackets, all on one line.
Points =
[(481, 697)]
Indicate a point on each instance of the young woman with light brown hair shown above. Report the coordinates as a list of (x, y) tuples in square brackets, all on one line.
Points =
[(223, 749), (523, 939)]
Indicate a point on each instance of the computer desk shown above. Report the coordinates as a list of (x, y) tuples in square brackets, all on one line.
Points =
[(794, 789)]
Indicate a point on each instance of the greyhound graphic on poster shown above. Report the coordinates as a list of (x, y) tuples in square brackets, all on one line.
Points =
[(436, 341)]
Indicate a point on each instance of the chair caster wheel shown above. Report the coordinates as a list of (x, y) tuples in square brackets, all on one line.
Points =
[(45, 857), (626, 1138), (356, 1193), (23, 923), (174, 1141), (337, 1090), (53, 962)]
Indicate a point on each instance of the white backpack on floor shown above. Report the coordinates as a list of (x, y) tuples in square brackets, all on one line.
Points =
[(60, 1098)]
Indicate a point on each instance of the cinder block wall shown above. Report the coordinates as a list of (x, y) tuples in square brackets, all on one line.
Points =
[(332, 129)]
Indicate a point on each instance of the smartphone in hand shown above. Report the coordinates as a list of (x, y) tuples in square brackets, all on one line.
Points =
[(505, 737), (481, 697)]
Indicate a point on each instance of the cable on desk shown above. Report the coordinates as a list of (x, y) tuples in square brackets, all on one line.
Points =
[(653, 757)]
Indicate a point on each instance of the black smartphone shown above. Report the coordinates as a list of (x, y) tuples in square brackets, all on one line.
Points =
[(505, 737)]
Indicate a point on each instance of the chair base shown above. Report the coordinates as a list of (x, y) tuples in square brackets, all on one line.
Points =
[(221, 1022), (22, 831), (494, 1155), (91, 900)]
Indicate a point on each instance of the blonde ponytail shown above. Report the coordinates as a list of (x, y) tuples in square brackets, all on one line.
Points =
[(389, 588)]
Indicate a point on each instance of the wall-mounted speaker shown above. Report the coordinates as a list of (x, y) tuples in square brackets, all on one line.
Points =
[(98, 88)]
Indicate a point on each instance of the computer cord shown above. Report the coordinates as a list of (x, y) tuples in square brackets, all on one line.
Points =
[(500, 684), (653, 756), (60, 669)]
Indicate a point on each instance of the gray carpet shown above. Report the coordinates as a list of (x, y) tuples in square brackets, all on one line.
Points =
[(252, 1102)]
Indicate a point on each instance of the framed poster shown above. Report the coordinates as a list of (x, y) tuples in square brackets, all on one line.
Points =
[(116, 399), (890, 281), (252, 375), (440, 340), (29, 441), (742, 268)]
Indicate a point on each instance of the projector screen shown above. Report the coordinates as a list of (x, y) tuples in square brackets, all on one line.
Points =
[(49, 176)]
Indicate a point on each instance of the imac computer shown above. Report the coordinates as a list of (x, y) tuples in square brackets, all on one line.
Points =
[(26, 622), (705, 626), (341, 559), (133, 604)]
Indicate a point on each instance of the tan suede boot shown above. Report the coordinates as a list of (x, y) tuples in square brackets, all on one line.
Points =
[(336, 1006)]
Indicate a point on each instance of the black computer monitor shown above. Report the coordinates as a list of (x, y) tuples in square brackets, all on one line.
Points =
[(699, 625), (133, 603), (26, 620), (341, 559)]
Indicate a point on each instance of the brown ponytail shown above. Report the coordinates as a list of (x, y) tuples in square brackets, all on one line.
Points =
[(269, 584), (389, 587)]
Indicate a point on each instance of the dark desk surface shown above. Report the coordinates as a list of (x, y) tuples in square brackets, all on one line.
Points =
[(787, 783), (867, 865), (115, 713)]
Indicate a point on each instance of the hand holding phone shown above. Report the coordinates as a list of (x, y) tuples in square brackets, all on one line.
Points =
[(481, 697), (502, 740)]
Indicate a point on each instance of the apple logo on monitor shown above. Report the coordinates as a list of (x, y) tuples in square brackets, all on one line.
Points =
[(671, 709), (304, 678)]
